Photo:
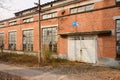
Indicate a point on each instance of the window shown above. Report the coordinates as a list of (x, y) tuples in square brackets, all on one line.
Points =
[(28, 40), (12, 23), (26, 20), (118, 36), (1, 40), (118, 2), (74, 10), (12, 41), (1, 25), (118, 26), (89, 7), (82, 8), (49, 15), (50, 38)]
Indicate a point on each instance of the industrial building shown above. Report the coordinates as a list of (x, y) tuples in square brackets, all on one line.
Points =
[(78, 30)]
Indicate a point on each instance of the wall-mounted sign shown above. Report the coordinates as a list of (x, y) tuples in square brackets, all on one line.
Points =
[(74, 24)]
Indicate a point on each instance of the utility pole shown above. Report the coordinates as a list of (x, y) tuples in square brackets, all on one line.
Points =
[(39, 34)]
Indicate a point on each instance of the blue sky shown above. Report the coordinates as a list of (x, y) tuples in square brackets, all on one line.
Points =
[(17, 5)]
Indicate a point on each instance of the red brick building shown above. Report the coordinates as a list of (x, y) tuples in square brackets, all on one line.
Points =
[(79, 30)]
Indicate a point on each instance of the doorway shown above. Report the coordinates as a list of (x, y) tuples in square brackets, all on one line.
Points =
[(82, 48)]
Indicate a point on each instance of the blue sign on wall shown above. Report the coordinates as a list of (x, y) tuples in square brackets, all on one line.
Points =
[(74, 24)]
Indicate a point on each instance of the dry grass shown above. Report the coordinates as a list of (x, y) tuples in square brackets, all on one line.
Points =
[(19, 59), (6, 76), (84, 71), (30, 61)]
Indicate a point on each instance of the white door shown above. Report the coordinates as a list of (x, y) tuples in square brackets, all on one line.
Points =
[(82, 49)]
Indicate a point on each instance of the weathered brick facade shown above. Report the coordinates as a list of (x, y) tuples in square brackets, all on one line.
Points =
[(98, 19)]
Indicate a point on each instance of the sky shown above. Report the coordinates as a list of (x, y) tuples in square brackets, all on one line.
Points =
[(13, 6)]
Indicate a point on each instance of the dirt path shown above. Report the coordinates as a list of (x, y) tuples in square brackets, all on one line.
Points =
[(79, 71), (6, 76)]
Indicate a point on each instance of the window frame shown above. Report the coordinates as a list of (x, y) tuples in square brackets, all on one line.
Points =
[(85, 10), (2, 24), (25, 46), (118, 3), (28, 20), (2, 35), (51, 38), (12, 41), (12, 23), (49, 15), (117, 32)]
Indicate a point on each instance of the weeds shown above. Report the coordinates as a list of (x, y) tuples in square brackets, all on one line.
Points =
[(32, 61), (20, 59)]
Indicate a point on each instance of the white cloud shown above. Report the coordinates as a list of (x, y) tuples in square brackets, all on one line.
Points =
[(18, 5)]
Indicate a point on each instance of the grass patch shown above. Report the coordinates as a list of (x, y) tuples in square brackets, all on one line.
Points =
[(31, 61), (19, 59)]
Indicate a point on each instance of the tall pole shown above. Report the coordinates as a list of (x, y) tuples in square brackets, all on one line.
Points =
[(39, 34)]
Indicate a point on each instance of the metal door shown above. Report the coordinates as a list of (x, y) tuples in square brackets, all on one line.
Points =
[(82, 49)]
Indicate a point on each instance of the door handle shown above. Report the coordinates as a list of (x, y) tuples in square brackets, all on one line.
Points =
[(80, 50)]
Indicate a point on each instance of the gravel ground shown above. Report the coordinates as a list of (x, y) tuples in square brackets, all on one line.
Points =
[(5, 76), (87, 72), (76, 71)]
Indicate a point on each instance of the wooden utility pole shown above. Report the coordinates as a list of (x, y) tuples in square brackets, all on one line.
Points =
[(39, 34)]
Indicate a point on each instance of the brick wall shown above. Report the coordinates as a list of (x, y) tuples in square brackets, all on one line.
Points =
[(88, 21)]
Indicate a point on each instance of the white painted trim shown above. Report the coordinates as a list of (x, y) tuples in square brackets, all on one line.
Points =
[(113, 32), (13, 20), (1, 32), (12, 30), (116, 17), (27, 29), (91, 1), (49, 26)]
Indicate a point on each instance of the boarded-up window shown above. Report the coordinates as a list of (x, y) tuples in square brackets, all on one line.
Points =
[(50, 38), (12, 40), (28, 40)]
